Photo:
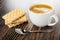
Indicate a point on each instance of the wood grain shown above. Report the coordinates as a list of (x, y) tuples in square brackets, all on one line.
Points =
[(10, 34)]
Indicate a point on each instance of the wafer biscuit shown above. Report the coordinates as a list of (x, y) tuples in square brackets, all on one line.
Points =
[(13, 15), (17, 22)]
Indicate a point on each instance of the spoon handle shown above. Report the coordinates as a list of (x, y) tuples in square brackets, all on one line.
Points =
[(41, 31)]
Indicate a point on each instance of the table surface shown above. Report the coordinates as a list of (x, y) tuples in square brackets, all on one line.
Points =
[(10, 34)]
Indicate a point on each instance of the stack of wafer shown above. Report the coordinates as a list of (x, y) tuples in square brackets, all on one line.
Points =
[(15, 17)]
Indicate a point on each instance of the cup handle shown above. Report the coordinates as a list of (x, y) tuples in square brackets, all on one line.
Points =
[(56, 20)]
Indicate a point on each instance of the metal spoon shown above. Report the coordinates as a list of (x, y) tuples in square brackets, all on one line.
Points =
[(20, 31)]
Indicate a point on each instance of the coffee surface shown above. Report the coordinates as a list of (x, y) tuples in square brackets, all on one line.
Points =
[(40, 8)]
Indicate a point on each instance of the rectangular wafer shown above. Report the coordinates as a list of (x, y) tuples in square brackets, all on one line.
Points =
[(13, 15), (17, 22)]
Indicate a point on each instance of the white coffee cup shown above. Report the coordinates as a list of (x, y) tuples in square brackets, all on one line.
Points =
[(42, 20)]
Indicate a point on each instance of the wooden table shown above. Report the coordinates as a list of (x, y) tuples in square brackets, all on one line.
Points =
[(10, 34)]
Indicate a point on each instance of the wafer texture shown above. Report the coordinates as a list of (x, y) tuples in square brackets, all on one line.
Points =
[(17, 22), (13, 15)]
